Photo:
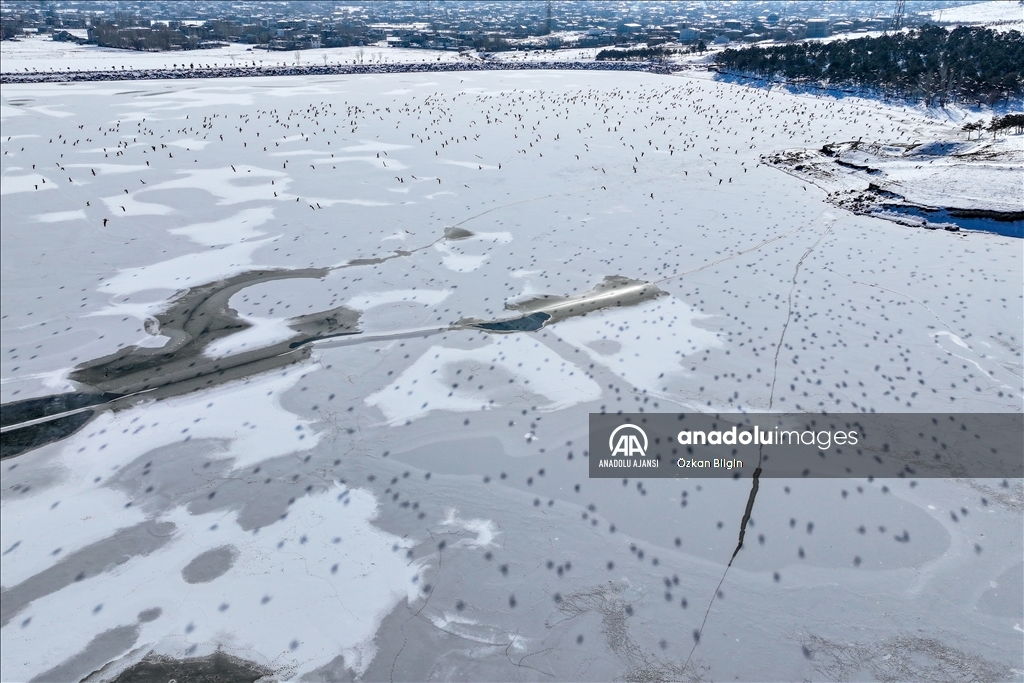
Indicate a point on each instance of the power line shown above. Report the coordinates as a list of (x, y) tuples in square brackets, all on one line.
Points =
[(896, 23)]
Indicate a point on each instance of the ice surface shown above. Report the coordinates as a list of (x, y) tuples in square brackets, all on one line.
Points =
[(59, 216), (533, 369), (263, 332), (238, 228), (642, 344), (26, 183), (473, 545), (239, 606)]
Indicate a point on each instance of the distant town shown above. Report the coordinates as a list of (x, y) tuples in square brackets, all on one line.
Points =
[(450, 24)]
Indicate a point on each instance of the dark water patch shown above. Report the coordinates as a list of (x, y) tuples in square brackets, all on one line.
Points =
[(528, 323), (22, 439), (1005, 223), (218, 667), (35, 408), (999, 216)]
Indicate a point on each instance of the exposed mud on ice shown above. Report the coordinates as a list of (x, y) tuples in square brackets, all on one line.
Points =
[(613, 291)]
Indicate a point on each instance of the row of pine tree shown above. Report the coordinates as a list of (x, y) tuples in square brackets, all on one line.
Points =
[(971, 65)]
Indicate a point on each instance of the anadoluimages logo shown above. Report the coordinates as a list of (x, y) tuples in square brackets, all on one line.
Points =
[(628, 442)]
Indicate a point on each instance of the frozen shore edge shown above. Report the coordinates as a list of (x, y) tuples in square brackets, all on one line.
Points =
[(328, 70)]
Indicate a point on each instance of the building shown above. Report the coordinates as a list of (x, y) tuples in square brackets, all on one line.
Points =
[(817, 28)]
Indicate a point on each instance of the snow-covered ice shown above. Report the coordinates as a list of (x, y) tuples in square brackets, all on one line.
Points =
[(412, 502)]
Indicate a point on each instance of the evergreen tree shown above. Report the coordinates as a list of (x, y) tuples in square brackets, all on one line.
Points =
[(931, 64)]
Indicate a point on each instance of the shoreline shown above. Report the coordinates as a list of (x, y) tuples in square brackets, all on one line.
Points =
[(328, 70)]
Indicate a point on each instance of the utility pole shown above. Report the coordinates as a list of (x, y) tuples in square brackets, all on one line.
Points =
[(896, 23), (547, 23)]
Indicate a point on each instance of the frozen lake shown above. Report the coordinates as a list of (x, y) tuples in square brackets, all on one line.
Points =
[(412, 502)]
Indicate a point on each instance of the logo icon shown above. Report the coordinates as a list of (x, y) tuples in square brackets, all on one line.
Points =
[(628, 442)]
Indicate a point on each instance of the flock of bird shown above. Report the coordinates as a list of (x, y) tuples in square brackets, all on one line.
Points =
[(562, 182)]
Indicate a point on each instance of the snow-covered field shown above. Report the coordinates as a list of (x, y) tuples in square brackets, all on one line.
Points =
[(34, 53), (999, 14), (40, 53), (417, 507)]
